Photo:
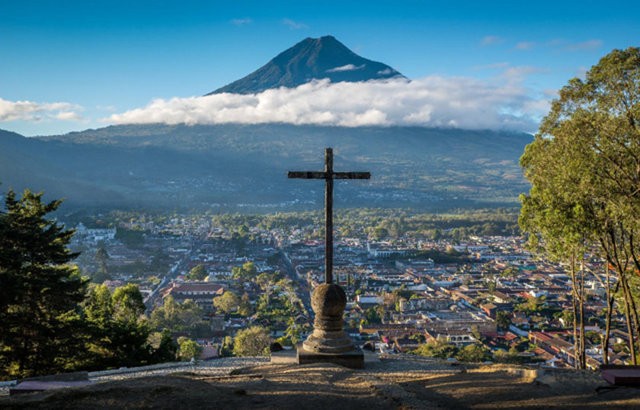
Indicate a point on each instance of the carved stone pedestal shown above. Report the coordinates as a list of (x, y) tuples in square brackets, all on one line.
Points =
[(328, 342)]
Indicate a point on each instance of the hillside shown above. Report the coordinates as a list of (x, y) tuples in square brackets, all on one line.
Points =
[(244, 167), (400, 383)]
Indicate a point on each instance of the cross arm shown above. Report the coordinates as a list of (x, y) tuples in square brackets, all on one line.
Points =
[(351, 175), (307, 174)]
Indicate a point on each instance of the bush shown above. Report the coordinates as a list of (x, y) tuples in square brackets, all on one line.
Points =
[(254, 341)]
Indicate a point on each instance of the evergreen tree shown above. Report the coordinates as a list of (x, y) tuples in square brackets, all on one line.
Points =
[(197, 273), (101, 259), (40, 290), (165, 348), (119, 331)]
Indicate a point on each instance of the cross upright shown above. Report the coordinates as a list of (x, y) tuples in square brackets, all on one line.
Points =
[(328, 175)]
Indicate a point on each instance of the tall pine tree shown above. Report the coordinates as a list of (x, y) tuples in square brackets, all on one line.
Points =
[(40, 290)]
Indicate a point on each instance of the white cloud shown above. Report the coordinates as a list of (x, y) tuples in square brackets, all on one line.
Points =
[(68, 116), (518, 73), (576, 46), (241, 22), (34, 111), (525, 45), (584, 45), (348, 67), (491, 40), (386, 71), (432, 101), (294, 25)]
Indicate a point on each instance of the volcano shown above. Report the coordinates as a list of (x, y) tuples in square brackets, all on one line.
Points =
[(311, 59)]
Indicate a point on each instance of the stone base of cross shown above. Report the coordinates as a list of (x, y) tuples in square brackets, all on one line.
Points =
[(329, 342)]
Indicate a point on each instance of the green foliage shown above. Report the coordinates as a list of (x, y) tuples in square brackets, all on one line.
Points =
[(131, 238), (278, 301), (372, 315), (438, 348), (512, 356), (567, 317), (293, 333), (531, 305), (583, 167), (101, 259), (473, 353), (119, 331), (443, 350), (176, 317), (226, 349), (503, 319), (40, 291), (253, 341), (418, 337), (188, 349), (227, 303), (197, 273), (244, 307), (128, 302), (244, 273), (164, 347)]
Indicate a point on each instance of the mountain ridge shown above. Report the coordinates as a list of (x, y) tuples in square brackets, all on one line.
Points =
[(239, 167)]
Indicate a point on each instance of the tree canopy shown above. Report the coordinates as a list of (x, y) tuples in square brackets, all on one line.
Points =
[(584, 167), (227, 303), (253, 341), (197, 273)]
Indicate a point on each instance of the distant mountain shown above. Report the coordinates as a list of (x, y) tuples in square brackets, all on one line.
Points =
[(312, 58), (235, 167)]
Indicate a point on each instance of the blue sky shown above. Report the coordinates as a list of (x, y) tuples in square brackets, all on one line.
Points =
[(72, 65)]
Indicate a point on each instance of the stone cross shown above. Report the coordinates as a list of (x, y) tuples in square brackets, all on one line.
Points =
[(328, 175)]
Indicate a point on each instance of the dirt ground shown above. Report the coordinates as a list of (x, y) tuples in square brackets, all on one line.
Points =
[(389, 384)]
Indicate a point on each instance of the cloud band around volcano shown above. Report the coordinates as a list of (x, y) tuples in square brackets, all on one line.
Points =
[(432, 101)]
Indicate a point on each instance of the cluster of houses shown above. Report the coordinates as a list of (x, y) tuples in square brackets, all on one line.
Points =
[(480, 297)]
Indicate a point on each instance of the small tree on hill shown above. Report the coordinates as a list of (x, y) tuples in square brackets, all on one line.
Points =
[(473, 353), (503, 319), (101, 259), (226, 303), (188, 349), (244, 273), (197, 273), (253, 341), (437, 348)]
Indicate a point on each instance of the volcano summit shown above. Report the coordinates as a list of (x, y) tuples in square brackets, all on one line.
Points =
[(311, 59)]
